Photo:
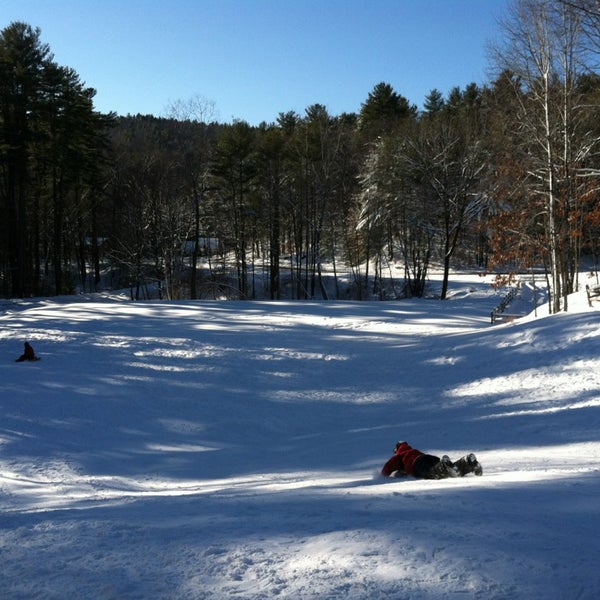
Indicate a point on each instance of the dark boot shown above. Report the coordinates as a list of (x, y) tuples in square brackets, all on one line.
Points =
[(444, 469), (468, 464)]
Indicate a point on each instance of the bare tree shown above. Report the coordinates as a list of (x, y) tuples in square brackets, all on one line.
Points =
[(194, 117), (448, 160), (543, 47)]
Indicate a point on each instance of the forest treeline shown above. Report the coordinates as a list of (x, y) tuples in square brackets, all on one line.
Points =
[(502, 176)]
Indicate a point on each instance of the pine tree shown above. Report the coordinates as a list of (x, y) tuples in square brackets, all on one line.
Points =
[(23, 59)]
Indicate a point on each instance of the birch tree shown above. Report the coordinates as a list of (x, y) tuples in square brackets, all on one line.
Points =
[(543, 47)]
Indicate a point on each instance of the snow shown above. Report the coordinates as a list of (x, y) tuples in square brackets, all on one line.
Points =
[(195, 450)]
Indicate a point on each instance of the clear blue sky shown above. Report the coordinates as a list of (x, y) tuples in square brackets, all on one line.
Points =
[(257, 58)]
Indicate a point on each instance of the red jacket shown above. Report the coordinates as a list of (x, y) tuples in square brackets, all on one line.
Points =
[(403, 460)]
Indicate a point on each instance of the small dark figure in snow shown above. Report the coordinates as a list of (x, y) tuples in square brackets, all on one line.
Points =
[(28, 354), (410, 461)]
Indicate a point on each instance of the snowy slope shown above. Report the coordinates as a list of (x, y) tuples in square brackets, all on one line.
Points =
[(228, 450)]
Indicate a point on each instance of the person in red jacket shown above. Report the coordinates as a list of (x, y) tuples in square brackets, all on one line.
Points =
[(410, 461)]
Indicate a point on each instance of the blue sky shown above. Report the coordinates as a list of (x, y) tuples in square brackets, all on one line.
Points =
[(256, 58)]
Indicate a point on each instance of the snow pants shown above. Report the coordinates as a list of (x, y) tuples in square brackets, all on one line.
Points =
[(425, 467)]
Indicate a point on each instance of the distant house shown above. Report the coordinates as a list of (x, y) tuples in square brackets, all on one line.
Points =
[(205, 244)]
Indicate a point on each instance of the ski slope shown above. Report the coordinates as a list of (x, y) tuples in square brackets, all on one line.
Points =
[(199, 450)]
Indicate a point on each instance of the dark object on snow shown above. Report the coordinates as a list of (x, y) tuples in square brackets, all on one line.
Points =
[(410, 461), (28, 354)]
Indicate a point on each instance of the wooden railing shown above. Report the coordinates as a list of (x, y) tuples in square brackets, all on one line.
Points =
[(593, 292), (499, 314)]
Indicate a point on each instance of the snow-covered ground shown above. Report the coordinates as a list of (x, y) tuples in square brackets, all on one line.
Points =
[(192, 450)]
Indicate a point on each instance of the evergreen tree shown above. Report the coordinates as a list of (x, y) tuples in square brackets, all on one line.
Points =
[(384, 109), (51, 141), (234, 173), (434, 102), (23, 59)]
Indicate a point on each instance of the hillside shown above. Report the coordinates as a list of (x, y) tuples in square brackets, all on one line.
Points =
[(196, 450)]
